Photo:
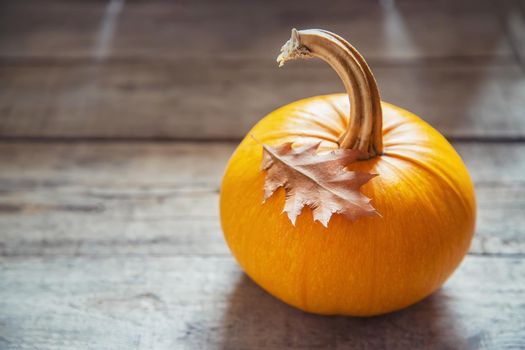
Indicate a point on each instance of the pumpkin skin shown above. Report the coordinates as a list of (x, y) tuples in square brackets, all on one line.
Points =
[(365, 267)]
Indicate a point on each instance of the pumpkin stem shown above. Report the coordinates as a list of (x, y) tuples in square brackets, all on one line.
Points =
[(364, 130)]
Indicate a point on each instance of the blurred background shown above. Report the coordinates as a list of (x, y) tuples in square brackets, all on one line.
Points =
[(206, 69), (117, 119)]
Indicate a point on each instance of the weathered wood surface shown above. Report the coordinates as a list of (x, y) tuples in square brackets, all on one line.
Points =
[(161, 29), (117, 245), (134, 198), (192, 302), (199, 99), (173, 70), (513, 20)]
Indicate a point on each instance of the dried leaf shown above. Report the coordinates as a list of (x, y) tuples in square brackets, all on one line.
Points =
[(317, 180)]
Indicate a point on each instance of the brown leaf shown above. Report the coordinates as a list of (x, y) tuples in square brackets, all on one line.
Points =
[(317, 180)]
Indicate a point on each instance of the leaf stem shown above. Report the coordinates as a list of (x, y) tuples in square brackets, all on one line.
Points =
[(364, 130)]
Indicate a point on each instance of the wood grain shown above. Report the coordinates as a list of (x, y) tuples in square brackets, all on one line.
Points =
[(223, 99), (117, 245), (191, 302), (512, 14), (162, 199), (166, 69), (405, 30)]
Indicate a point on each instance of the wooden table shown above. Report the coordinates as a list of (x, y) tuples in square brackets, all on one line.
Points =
[(117, 120)]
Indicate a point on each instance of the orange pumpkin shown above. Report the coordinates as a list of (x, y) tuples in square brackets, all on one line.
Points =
[(371, 265)]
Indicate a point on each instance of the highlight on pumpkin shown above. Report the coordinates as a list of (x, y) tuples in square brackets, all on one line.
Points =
[(343, 204)]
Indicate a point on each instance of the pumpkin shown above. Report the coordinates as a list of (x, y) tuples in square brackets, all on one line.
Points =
[(361, 266)]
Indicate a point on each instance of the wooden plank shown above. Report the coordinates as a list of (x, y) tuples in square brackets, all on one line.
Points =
[(134, 198), (198, 62), (206, 303), (382, 30), (512, 15), (224, 98), (49, 28), (408, 30)]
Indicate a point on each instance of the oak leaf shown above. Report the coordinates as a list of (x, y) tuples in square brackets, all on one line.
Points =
[(317, 180)]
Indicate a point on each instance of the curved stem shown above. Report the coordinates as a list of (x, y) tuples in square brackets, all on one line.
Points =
[(364, 131)]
